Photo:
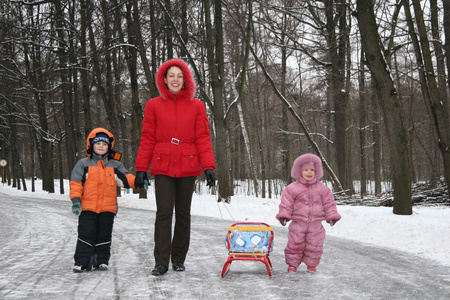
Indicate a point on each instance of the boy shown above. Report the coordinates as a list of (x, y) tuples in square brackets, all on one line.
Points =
[(93, 191)]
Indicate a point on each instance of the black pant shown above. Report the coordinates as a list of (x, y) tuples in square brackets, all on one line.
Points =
[(94, 237), (172, 192)]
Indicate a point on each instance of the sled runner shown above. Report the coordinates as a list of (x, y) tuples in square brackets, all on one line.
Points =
[(249, 241)]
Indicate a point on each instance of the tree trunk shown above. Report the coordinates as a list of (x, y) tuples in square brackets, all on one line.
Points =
[(74, 88), (446, 5), (337, 54), (387, 96), (33, 163), (216, 66), (438, 111), (142, 51), (132, 69), (248, 148), (168, 30), (34, 70), (440, 57), (153, 44), (84, 73), (362, 126), (66, 96), (286, 142), (376, 140), (184, 27), (60, 163), (108, 97), (97, 70)]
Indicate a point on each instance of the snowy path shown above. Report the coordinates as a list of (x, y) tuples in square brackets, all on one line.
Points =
[(38, 239)]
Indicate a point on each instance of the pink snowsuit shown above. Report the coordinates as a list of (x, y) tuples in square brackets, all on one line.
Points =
[(307, 204)]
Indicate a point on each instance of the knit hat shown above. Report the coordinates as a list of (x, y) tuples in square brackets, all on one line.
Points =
[(101, 137)]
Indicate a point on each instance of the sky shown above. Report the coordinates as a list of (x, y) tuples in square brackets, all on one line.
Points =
[(425, 233)]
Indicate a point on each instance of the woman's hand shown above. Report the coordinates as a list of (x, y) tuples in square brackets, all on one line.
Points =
[(141, 180), (210, 178)]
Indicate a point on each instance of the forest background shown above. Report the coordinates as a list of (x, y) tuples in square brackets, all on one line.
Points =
[(364, 84)]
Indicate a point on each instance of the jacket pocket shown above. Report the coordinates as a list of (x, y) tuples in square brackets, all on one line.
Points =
[(160, 160), (110, 177), (190, 161)]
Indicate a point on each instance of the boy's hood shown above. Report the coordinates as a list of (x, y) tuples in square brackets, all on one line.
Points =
[(93, 134)]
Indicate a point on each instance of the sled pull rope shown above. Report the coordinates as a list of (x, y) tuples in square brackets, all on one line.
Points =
[(224, 204), (218, 205)]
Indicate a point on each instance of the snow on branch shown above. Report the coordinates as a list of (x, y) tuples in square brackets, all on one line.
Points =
[(302, 134)]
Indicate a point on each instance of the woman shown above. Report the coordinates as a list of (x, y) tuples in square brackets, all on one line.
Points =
[(175, 142)]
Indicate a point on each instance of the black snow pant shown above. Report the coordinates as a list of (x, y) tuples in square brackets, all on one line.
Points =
[(172, 192), (94, 238)]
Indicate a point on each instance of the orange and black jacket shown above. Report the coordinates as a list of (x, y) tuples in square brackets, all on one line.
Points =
[(94, 180)]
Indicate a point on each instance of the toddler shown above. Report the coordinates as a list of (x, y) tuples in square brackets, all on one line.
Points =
[(307, 202)]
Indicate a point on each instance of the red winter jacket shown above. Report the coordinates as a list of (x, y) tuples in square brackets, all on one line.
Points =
[(175, 138)]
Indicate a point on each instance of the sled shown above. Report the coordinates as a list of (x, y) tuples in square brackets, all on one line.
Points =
[(249, 241)]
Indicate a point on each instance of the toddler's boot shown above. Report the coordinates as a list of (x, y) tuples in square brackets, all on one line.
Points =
[(292, 269), (311, 269)]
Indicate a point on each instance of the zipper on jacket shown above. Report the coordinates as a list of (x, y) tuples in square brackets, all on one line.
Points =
[(310, 203), (176, 131)]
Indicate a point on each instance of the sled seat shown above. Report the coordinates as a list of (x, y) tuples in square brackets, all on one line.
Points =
[(249, 241)]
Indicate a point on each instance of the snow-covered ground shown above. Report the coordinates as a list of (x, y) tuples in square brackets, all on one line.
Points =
[(425, 233)]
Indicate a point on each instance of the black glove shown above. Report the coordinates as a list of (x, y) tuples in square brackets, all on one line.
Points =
[(210, 178), (141, 180)]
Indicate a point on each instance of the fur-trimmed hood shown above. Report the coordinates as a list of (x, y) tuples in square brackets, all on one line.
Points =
[(188, 90), (306, 158)]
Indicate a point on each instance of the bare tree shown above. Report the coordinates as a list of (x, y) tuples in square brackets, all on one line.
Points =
[(362, 124), (65, 88), (215, 57), (84, 72), (35, 68), (432, 96), (387, 97)]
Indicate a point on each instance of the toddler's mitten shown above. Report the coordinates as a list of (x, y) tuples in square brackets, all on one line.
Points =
[(333, 218), (332, 222), (283, 221), (76, 206)]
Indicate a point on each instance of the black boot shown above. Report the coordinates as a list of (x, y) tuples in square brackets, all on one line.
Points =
[(177, 266), (159, 270)]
